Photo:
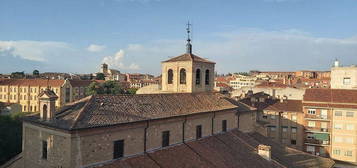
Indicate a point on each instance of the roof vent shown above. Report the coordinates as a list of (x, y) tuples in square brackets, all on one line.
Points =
[(102, 104), (264, 151)]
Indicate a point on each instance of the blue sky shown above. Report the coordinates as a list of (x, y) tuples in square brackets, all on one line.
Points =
[(135, 35)]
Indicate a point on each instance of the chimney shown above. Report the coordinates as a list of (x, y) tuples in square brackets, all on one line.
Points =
[(47, 104), (264, 151)]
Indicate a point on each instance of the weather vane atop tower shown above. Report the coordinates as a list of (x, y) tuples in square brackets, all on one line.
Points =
[(188, 45)]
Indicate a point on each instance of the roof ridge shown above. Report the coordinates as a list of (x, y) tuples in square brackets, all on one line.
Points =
[(81, 112)]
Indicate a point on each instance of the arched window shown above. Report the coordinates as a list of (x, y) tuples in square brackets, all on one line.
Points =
[(182, 76), (44, 110), (207, 77), (198, 76), (170, 76)]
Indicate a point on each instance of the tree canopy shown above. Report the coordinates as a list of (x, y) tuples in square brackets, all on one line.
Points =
[(108, 87), (100, 76)]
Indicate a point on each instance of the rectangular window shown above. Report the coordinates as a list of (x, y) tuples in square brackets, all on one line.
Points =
[(294, 117), (293, 142), (336, 152), (44, 149), (347, 81), (323, 113), (67, 99), (293, 129), (349, 140), (338, 113), (338, 139), (224, 125), (310, 149), (311, 123), (338, 126), (350, 114), (350, 127), (285, 129), (272, 128), (348, 153), (311, 111), (323, 124), (198, 131), (165, 138), (272, 116), (118, 150)]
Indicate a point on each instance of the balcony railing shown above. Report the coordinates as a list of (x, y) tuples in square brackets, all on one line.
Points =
[(316, 117), (316, 142), (315, 129)]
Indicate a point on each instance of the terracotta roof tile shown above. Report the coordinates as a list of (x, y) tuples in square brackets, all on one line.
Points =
[(106, 110), (32, 82), (189, 57), (331, 95)]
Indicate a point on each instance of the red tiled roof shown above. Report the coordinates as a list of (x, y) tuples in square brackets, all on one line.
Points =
[(224, 85), (286, 105), (226, 150), (331, 95), (189, 57), (272, 85), (33, 82), (107, 110)]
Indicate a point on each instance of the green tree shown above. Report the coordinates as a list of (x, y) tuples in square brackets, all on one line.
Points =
[(36, 72), (100, 76), (10, 136), (18, 75), (131, 91), (108, 87), (112, 87)]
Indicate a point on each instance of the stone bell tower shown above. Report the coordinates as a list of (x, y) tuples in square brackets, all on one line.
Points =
[(187, 73), (47, 104)]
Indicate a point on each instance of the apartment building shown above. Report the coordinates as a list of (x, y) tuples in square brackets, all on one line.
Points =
[(240, 81), (330, 116), (25, 91), (344, 77), (282, 119)]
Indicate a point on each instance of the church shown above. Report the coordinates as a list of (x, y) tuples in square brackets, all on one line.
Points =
[(186, 124)]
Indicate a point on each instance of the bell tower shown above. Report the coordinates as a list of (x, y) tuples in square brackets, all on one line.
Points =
[(47, 104), (187, 73)]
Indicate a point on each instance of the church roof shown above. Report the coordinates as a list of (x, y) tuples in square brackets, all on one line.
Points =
[(189, 57), (108, 110), (49, 93)]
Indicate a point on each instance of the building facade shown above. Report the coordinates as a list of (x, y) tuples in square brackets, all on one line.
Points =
[(25, 91)]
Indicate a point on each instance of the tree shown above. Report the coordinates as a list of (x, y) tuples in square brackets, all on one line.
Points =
[(131, 91), (108, 87), (10, 136), (18, 75), (36, 72), (100, 76)]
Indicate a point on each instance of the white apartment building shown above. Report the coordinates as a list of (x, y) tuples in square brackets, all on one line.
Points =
[(243, 81), (343, 77)]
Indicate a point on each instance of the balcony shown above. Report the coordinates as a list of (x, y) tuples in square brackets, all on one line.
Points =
[(316, 142), (316, 117), (315, 129)]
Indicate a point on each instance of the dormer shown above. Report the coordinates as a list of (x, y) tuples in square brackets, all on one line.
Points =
[(47, 104)]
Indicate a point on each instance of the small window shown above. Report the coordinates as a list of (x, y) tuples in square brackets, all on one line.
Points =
[(338, 139), (348, 153), (272, 128), (349, 140), (265, 116), (207, 77), (165, 138), (118, 149), (350, 114), (336, 152), (311, 123), (311, 111), (350, 127), (198, 77), (182, 76), (338, 126), (198, 131), (338, 113), (285, 129), (224, 125), (293, 142), (347, 81), (170, 76), (293, 129), (323, 124), (272, 116), (44, 150)]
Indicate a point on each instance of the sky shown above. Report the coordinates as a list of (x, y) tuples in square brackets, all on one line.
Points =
[(136, 35)]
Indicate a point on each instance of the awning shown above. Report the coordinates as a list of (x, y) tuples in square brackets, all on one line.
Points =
[(321, 136)]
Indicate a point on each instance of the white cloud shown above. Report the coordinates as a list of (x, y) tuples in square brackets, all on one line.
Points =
[(116, 61), (95, 48), (33, 50)]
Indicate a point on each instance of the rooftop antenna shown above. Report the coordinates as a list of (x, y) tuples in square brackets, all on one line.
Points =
[(188, 45)]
